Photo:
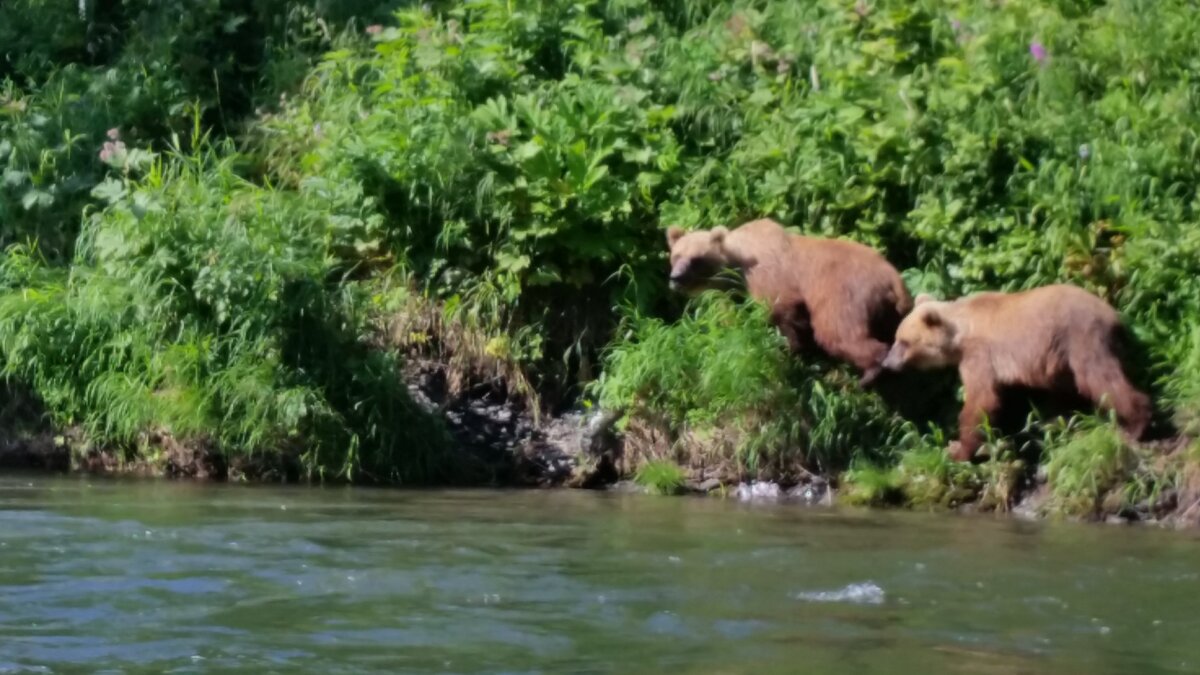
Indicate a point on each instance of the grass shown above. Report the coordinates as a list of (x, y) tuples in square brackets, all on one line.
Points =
[(661, 477)]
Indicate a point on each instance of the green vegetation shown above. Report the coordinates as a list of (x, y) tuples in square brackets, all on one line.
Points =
[(213, 209), (717, 389), (661, 477)]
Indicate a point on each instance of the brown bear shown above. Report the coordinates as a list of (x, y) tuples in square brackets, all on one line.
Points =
[(1059, 339), (841, 295)]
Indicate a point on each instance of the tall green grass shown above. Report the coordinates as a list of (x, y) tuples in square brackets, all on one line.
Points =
[(205, 306), (720, 389)]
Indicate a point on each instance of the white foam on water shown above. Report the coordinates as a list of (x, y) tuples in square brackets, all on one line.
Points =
[(866, 593)]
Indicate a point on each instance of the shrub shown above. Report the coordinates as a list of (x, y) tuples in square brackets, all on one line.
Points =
[(202, 305), (660, 477)]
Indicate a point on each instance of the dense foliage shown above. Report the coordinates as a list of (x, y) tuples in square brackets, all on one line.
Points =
[(516, 164)]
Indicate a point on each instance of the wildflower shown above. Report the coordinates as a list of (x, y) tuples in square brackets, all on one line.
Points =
[(1038, 51), (112, 152), (374, 29), (861, 9), (114, 134), (715, 76), (317, 130), (1085, 151), (955, 25)]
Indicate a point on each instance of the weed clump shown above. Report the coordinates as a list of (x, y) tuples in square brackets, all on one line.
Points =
[(661, 477)]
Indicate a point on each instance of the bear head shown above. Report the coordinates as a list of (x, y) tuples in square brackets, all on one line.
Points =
[(698, 259), (926, 339)]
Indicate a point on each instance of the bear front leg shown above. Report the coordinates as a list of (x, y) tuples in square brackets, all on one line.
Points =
[(980, 402), (793, 322)]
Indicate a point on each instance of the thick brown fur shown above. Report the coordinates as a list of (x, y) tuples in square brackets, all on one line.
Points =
[(1057, 338), (843, 297)]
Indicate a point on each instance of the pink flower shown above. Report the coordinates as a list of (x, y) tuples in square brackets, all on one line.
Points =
[(374, 29), (114, 134), (1038, 51), (112, 151)]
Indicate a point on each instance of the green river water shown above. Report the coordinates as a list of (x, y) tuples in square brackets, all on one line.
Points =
[(155, 576)]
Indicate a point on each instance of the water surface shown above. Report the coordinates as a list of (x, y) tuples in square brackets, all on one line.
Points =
[(154, 576)]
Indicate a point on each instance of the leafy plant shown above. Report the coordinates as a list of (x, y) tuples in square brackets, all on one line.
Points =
[(660, 477)]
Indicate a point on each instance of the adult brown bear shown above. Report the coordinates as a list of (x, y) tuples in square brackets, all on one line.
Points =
[(842, 296), (1057, 338)]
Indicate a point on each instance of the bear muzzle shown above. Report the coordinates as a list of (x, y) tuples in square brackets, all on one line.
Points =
[(680, 275), (895, 358)]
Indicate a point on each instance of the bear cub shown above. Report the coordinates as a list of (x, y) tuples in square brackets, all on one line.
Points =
[(1056, 338), (843, 297)]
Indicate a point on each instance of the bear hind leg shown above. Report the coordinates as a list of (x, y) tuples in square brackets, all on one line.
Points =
[(1102, 380), (855, 347)]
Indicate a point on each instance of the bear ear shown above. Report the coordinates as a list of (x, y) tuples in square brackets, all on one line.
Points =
[(674, 234), (718, 235), (932, 319), (922, 299)]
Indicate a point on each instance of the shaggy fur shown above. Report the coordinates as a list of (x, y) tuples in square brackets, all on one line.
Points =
[(840, 296), (1058, 338)]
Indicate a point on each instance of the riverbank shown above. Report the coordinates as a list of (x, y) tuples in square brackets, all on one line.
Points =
[(498, 443)]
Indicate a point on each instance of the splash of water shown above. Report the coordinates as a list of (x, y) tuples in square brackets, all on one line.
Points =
[(866, 593)]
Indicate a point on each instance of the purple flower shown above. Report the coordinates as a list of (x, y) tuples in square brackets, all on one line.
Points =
[(955, 25), (1038, 51)]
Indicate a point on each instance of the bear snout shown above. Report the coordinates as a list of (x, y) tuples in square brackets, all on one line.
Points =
[(895, 358), (679, 270), (680, 275)]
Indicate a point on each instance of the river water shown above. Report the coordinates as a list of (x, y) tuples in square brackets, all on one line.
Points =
[(153, 576)]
